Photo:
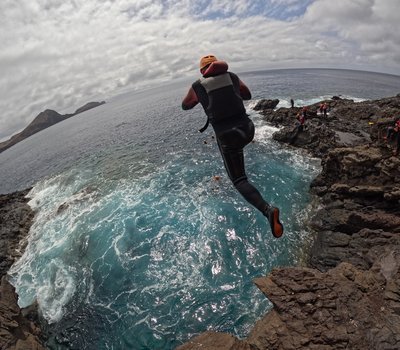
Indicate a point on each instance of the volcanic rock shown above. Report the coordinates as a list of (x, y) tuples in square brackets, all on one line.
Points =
[(266, 104), (19, 329)]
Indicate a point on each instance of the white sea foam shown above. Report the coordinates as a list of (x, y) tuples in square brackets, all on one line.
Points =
[(264, 133), (57, 290), (44, 272)]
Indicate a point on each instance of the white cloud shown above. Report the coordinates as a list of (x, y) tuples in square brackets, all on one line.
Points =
[(370, 24), (58, 54)]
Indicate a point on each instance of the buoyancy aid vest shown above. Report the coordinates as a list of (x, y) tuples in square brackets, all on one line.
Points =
[(220, 97)]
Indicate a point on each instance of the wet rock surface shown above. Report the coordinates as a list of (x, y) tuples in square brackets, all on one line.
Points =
[(347, 123), (348, 295), (266, 104), (19, 329), (15, 220)]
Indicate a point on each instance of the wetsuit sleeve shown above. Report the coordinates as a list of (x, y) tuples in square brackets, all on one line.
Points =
[(190, 100), (244, 91)]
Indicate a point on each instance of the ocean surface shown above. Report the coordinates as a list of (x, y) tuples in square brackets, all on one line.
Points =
[(134, 244)]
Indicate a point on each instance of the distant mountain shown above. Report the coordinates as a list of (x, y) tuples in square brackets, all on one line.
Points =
[(42, 121), (88, 106)]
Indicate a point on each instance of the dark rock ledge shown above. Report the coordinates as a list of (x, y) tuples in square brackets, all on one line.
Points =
[(348, 295), (19, 329)]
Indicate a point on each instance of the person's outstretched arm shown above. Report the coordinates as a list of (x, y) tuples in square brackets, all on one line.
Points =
[(244, 91), (190, 100)]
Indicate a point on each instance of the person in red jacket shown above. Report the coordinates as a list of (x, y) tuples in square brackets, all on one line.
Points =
[(221, 94)]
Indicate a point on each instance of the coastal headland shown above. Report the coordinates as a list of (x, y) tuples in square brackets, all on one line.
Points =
[(347, 294), (42, 121)]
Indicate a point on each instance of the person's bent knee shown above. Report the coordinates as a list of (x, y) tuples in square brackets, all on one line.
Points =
[(239, 181)]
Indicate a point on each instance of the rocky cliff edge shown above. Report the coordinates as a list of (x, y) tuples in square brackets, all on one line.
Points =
[(348, 295), (19, 329)]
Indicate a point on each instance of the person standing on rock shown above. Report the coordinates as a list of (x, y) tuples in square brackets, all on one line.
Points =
[(325, 109), (394, 131), (292, 103), (221, 94), (321, 108), (299, 127), (304, 112)]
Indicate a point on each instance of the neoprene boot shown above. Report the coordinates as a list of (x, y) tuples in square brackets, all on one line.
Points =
[(272, 213)]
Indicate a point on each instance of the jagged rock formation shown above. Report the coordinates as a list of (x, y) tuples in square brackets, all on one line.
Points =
[(349, 295), (15, 220), (343, 308), (42, 121), (347, 124), (19, 329), (266, 104)]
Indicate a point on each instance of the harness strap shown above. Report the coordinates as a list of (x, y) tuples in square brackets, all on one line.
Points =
[(205, 125)]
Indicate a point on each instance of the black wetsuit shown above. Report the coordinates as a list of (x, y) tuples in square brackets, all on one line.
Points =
[(231, 142), (220, 96)]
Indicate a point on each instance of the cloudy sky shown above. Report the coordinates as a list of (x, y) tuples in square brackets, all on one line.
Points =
[(59, 54)]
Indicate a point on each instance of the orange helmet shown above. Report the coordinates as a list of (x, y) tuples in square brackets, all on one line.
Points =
[(206, 60)]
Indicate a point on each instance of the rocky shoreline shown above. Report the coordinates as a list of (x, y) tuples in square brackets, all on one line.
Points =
[(348, 295), (19, 329)]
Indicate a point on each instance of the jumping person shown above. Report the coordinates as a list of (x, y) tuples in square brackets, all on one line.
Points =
[(221, 93)]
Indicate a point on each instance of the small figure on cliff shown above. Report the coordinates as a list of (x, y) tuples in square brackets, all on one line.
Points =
[(304, 112), (292, 103), (299, 127), (391, 132), (221, 94), (302, 119), (321, 108), (325, 109)]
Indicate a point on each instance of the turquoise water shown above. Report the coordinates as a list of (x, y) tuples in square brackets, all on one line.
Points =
[(134, 244), (148, 260)]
